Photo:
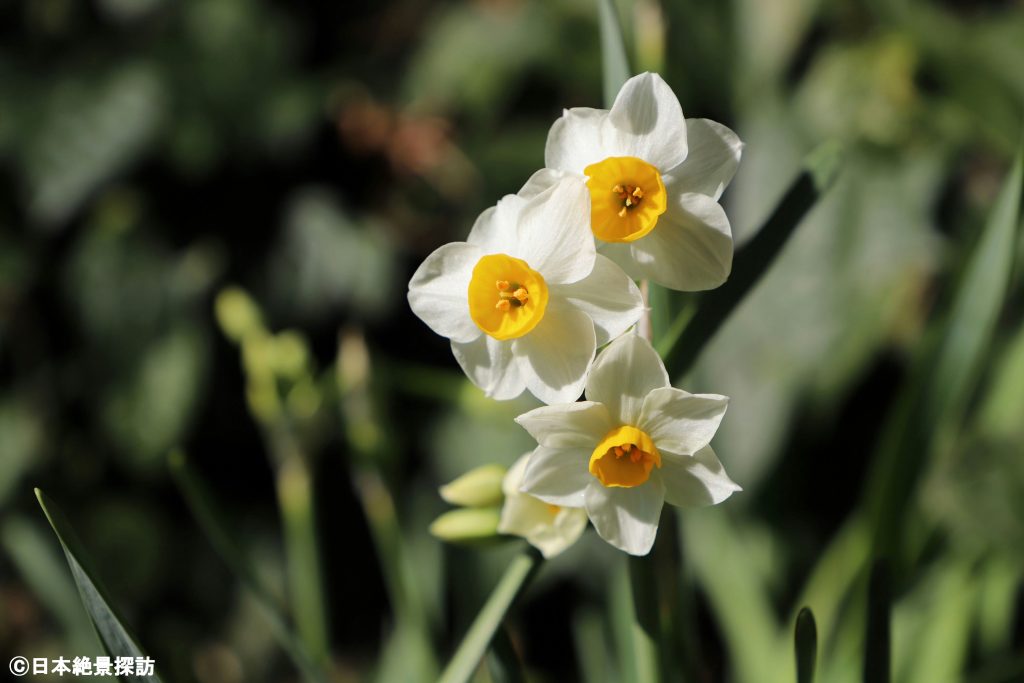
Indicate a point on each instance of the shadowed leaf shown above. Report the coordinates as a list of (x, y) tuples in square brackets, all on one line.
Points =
[(116, 639)]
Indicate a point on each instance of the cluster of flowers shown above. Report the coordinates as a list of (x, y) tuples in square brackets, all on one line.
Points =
[(546, 277)]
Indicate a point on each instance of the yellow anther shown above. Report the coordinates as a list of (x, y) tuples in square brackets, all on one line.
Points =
[(554, 509), (521, 294), (638, 193), (629, 202), (627, 447), (503, 305), (619, 452), (618, 189), (622, 212), (502, 285)]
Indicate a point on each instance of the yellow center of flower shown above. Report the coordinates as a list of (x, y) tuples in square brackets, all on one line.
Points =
[(507, 298), (626, 198), (625, 458)]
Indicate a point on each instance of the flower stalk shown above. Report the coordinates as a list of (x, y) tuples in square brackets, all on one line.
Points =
[(476, 641)]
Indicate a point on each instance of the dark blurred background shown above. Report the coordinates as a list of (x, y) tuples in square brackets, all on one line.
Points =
[(210, 209)]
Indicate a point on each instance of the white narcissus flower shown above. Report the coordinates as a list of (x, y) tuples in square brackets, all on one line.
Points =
[(526, 300), (635, 444), (655, 179), (549, 528)]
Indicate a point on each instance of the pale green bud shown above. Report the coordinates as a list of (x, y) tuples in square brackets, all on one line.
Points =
[(467, 525), (480, 487), (237, 314), (289, 354)]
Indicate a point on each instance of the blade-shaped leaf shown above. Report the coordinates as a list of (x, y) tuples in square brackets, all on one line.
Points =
[(615, 65), (877, 667), (476, 641), (806, 642), (947, 370), (503, 662), (751, 262), (116, 639), (202, 504)]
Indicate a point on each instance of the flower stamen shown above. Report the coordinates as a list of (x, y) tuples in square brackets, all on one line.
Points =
[(624, 458), (627, 196), (507, 298)]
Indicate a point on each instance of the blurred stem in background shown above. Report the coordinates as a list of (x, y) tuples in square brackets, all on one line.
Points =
[(283, 398), (366, 440), (294, 483), (478, 638), (204, 508)]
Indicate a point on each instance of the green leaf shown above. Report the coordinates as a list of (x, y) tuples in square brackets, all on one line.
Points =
[(645, 625), (204, 508), (116, 639), (941, 383), (30, 550), (877, 666), (821, 168), (476, 641), (978, 303), (615, 64), (806, 642), (503, 662), (720, 552)]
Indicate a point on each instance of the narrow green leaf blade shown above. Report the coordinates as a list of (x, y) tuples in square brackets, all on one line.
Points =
[(947, 371), (806, 642), (476, 641), (751, 262), (201, 503), (503, 662), (645, 618), (978, 303), (614, 62), (116, 639), (877, 652)]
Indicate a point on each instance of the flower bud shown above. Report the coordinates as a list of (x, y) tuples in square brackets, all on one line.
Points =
[(467, 525), (480, 487)]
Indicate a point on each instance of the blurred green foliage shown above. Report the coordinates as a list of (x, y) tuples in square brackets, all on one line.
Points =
[(158, 159)]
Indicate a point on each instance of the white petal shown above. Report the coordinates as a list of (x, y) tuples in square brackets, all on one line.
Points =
[(693, 481), (569, 425), (558, 475), (679, 421), (711, 162), (553, 234), (568, 526), (522, 515), (608, 296), (495, 228), (438, 291), (539, 182), (554, 358), (647, 122), (691, 247), (621, 254), (574, 141), (491, 365), (625, 372), (626, 518), (513, 478)]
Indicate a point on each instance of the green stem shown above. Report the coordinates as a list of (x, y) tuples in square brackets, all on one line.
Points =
[(646, 619), (298, 517), (367, 441), (476, 641), (201, 503), (503, 661), (678, 621)]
